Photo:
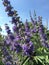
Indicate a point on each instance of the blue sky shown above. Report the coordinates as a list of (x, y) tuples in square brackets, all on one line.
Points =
[(24, 7)]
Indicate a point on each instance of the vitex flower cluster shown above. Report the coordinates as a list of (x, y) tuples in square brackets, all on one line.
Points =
[(7, 57), (20, 39), (22, 32), (43, 37)]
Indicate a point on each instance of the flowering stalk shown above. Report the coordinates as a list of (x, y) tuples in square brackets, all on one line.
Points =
[(42, 35), (7, 58)]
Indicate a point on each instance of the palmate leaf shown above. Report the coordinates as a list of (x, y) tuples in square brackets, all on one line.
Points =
[(46, 59), (25, 61), (40, 58), (40, 61), (35, 59), (42, 54)]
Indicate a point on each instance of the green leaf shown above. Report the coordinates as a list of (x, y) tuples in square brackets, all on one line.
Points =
[(35, 58), (25, 61), (40, 61)]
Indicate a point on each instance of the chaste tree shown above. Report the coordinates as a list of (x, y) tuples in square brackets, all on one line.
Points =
[(28, 44)]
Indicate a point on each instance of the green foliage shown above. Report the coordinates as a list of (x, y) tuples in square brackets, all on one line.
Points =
[(1, 62)]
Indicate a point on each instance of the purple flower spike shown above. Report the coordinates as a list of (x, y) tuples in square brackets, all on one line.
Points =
[(8, 63), (14, 28), (28, 48)]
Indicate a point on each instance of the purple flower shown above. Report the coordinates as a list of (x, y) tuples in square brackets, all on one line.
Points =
[(45, 44), (34, 30), (43, 36), (27, 26), (39, 19), (7, 42), (7, 29), (8, 63), (14, 20), (8, 8), (11, 36), (28, 48), (10, 13), (17, 38), (5, 52), (14, 28), (6, 2), (32, 20), (27, 40), (18, 48), (12, 47), (8, 58), (41, 28)]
